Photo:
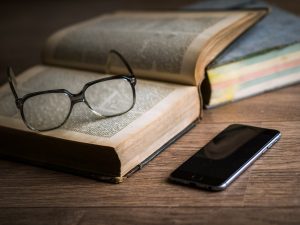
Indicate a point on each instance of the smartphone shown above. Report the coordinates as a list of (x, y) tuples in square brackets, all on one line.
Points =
[(225, 157)]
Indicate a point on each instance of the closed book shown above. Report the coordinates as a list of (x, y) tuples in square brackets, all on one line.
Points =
[(264, 58)]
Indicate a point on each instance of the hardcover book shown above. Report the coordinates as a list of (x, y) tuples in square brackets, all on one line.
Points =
[(168, 53), (264, 58)]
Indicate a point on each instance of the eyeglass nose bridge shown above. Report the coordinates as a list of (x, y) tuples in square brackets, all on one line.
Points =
[(76, 98)]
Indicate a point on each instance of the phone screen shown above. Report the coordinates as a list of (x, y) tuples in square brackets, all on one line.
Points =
[(225, 154)]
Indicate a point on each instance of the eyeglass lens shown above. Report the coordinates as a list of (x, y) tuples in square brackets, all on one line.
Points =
[(106, 98), (46, 111), (110, 98)]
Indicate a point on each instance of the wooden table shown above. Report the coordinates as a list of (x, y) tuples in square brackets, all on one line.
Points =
[(267, 193)]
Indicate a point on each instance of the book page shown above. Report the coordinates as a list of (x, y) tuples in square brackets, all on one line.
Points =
[(82, 120), (161, 46), (109, 146)]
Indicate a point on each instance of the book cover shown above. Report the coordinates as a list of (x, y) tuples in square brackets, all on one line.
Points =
[(264, 58)]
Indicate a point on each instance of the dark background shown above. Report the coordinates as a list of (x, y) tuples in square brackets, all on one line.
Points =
[(25, 25), (267, 193)]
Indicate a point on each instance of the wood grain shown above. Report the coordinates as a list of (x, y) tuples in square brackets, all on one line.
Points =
[(267, 193), (272, 181), (150, 216)]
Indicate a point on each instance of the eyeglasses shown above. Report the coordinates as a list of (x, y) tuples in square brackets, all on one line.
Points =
[(48, 110)]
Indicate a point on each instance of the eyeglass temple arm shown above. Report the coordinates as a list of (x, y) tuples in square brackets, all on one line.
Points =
[(12, 81), (109, 59)]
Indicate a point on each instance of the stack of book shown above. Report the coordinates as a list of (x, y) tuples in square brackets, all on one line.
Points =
[(182, 60), (266, 57)]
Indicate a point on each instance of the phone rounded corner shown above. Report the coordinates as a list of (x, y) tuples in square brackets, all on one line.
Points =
[(279, 135), (221, 187)]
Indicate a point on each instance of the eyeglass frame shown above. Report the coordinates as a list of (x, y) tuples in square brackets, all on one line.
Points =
[(74, 98)]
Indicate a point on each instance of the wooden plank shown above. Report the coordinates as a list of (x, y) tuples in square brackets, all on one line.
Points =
[(269, 187), (22, 185), (273, 180), (87, 216)]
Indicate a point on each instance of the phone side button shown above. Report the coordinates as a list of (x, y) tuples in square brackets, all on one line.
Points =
[(266, 148)]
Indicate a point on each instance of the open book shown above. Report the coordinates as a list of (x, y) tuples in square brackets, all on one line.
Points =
[(168, 53)]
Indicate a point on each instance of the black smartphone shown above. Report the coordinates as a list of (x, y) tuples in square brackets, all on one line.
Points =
[(225, 157)]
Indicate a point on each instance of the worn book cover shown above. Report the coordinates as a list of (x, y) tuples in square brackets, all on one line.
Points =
[(264, 58)]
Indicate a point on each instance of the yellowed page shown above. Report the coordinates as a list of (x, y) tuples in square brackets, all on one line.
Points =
[(82, 120), (158, 45), (162, 110)]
